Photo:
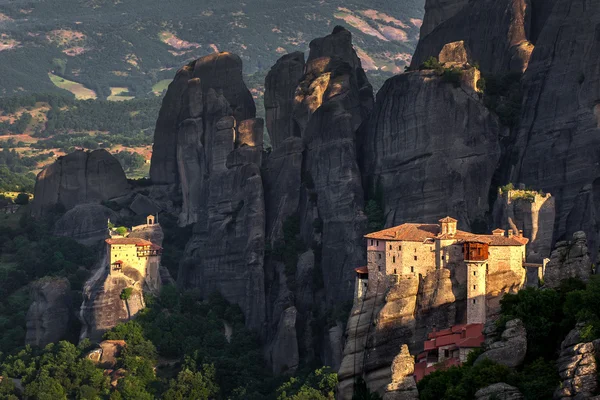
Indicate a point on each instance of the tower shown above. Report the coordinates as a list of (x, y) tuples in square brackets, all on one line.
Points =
[(476, 258)]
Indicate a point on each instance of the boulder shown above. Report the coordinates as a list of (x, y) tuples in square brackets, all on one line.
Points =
[(143, 205), (499, 391), (511, 349), (403, 385), (80, 177), (86, 223), (577, 367), (48, 316), (105, 356), (569, 260)]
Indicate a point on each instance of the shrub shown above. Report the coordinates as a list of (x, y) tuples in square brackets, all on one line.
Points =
[(452, 75), (22, 199), (432, 63), (126, 293)]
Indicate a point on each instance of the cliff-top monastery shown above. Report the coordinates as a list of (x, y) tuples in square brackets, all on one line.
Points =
[(414, 249)]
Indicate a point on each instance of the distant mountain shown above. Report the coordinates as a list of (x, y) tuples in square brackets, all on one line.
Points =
[(133, 46)]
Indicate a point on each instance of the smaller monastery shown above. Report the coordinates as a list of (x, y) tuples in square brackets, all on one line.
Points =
[(135, 254), (414, 249)]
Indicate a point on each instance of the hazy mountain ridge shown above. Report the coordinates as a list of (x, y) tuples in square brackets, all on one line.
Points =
[(134, 44)]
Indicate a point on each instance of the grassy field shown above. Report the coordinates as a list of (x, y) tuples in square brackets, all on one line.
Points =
[(80, 91), (161, 86), (119, 94)]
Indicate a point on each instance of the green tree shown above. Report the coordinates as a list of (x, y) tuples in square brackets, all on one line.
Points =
[(318, 385), (193, 385), (126, 293), (22, 199)]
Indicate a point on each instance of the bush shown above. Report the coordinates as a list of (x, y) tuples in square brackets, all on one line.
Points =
[(22, 199), (126, 293), (432, 63), (452, 75)]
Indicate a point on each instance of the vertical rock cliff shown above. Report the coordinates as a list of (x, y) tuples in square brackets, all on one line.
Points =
[(557, 140), (78, 178)]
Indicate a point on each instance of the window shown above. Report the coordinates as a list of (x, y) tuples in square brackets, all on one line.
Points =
[(394, 259), (379, 268), (395, 272), (371, 242), (474, 301), (415, 258), (412, 270), (379, 255), (474, 287), (446, 353), (399, 248), (474, 273), (390, 246), (378, 243)]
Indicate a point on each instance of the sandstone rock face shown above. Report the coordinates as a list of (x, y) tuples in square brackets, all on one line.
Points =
[(102, 308), (49, 314), (86, 223), (215, 81), (569, 260), (577, 367), (403, 385), (510, 350), (79, 178), (556, 149), (284, 349), (281, 83), (499, 391), (423, 171), (492, 30), (531, 212)]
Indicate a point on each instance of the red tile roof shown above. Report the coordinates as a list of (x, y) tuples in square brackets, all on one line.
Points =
[(421, 232), (126, 241), (448, 219), (407, 232)]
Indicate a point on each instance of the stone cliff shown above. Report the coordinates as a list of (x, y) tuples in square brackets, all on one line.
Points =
[(78, 178), (50, 312), (560, 121)]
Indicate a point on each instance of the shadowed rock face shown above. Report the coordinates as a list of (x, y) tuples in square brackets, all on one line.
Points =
[(86, 223), (432, 149), (558, 138), (438, 11), (49, 314), (496, 32), (78, 178), (214, 80)]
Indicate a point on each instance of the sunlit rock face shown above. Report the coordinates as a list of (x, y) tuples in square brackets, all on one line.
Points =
[(80, 177)]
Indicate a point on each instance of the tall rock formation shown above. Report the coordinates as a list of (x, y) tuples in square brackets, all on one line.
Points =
[(431, 149), (86, 223), (495, 31), (80, 177), (558, 137), (209, 146), (570, 259), (50, 312)]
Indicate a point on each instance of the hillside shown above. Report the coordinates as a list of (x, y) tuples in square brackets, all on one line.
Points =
[(133, 48)]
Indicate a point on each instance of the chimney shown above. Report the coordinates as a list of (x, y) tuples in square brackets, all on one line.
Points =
[(510, 233), (520, 232), (448, 226), (498, 232)]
